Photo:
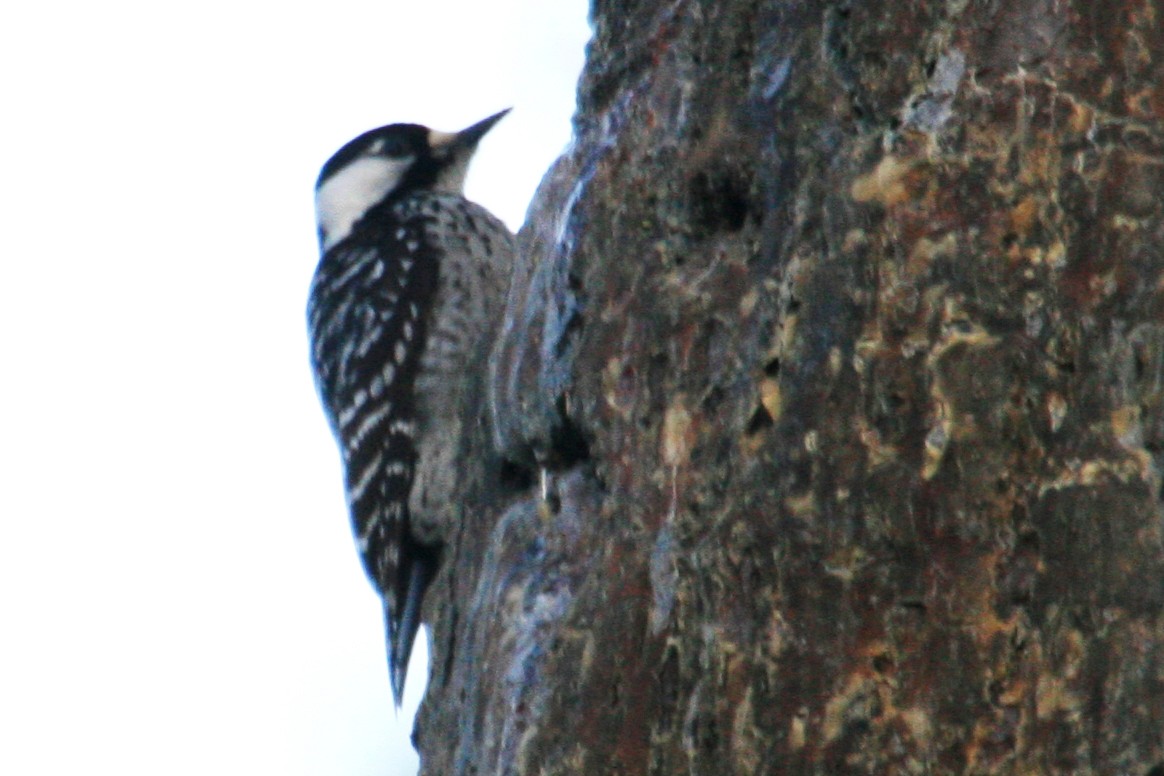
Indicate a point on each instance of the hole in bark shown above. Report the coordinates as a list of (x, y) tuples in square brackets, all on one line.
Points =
[(712, 399), (515, 477), (772, 368), (567, 447), (719, 200), (760, 420), (567, 444), (704, 733)]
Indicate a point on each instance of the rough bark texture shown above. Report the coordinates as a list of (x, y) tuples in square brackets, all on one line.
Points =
[(841, 332)]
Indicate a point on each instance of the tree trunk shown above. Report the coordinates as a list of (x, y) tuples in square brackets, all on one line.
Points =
[(840, 334)]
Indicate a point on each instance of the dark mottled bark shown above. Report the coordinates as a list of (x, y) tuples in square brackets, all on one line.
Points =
[(841, 332)]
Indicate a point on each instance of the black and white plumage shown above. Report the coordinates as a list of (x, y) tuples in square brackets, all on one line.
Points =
[(410, 284)]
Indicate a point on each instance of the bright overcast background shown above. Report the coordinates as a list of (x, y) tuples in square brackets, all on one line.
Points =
[(179, 590)]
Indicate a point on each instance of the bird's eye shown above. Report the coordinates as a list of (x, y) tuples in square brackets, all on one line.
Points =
[(389, 146)]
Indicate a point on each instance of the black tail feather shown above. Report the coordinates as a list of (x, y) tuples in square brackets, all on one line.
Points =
[(402, 632)]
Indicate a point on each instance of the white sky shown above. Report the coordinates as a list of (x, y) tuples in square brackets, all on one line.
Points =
[(179, 590)]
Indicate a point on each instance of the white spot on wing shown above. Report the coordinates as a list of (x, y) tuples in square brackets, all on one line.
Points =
[(347, 195), (356, 267), (367, 425), (361, 484), (369, 339), (401, 427)]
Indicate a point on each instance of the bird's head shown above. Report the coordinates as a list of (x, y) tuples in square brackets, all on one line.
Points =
[(387, 162)]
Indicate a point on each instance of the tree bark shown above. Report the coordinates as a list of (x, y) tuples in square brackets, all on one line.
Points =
[(840, 334)]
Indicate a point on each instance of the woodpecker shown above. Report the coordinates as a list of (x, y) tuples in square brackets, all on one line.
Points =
[(411, 280)]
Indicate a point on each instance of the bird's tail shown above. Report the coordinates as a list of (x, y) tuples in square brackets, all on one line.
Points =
[(402, 632)]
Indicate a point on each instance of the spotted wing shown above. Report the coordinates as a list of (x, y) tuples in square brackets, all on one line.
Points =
[(367, 321)]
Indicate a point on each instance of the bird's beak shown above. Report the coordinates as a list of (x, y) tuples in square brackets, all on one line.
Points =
[(467, 138), (471, 135)]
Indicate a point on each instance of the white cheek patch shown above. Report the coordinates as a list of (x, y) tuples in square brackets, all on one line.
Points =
[(345, 197)]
